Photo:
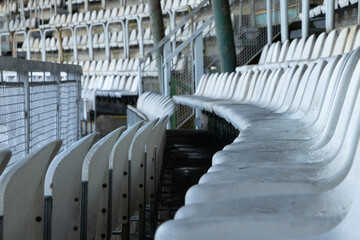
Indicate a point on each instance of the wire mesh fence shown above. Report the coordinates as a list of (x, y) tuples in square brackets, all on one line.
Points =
[(37, 107), (12, 118)]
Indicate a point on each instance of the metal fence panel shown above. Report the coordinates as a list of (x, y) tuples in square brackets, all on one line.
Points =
[(37, 106)]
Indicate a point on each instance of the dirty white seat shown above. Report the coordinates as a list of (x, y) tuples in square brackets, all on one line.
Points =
[(95, 185), (237, 210), (63, 190), (137, 161), (25, 176), (119, 173)]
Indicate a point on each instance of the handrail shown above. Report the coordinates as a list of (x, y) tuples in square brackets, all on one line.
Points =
[(17, 64), (172, 32)]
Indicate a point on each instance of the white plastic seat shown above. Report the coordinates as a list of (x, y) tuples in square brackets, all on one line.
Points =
[(63, 190), (120, 39), (133, 40), (341, 41), (351, 38), (95, 41), (133, 10), (119, 170), (100, 16), (113, 37), (25, 176), (329, 44), (318, 47), (95, 182), (114, 13)]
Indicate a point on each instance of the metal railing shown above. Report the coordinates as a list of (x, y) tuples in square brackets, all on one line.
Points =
[(39, 103)]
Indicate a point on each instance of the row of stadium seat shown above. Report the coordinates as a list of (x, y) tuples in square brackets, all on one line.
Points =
[(85, 191), (150, 106), (323, 46), (116, 39), (293, 170)]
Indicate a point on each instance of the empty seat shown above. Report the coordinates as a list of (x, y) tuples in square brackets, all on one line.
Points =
[(95, 182), (26, 176), (63, 190)]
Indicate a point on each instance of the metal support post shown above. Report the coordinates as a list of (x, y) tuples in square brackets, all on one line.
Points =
[(284, 20), (140, 33), (329, 17), (199, 70), (24, 77), (305, 18), (167, 70), (224, 35), (269, 21)]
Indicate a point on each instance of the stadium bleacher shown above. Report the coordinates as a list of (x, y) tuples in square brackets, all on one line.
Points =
[(290, 173)]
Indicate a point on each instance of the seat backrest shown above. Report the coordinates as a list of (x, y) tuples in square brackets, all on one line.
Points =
[(62, 189), (308, 48), (121, 11), (93, 15), (101, 38), (95, 182), (137, 160), (357, 41), (276, 52), (269, 55), (119, 65), (351, 38), (119, 170), (259, 87), (87, 16), (122, 82), (112, 65), (263, 53), (100, 15), (341, 41), (291, 50), (270, 87), (114, 13), (252, 78), (133, 10), (99, 66), (329, 44), (25, 177)]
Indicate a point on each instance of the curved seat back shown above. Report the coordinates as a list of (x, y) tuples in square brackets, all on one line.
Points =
[(22, 216), (119, 173), (94, 191), (62, 190)]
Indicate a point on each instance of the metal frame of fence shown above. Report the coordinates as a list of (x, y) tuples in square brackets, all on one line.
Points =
[(39, 102)]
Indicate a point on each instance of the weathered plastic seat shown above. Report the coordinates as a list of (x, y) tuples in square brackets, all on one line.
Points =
[(329, 44), (95, 185), (351, 39), (120, 39), (137, 161), (330, 195), (341, 41), (119, 175), (22, 217), (63, 191)]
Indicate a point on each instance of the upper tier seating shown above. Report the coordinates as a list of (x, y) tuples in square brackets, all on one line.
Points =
[(293, 164)]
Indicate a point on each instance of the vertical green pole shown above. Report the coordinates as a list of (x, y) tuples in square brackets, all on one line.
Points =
[(158, 33), (224, 35)]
